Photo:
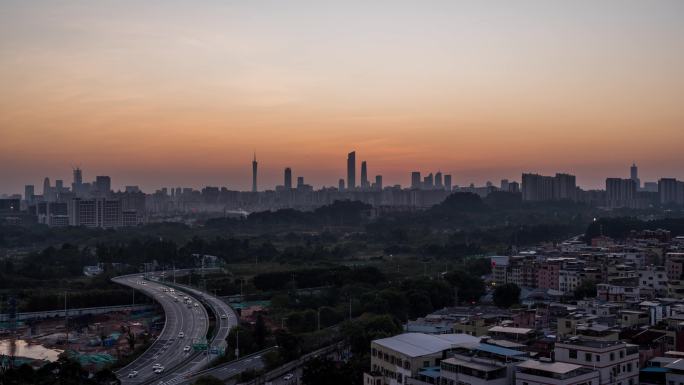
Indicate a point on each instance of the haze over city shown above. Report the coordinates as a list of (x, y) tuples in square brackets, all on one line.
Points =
[(171, 93)]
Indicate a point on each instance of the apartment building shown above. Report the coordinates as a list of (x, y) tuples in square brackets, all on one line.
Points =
[(617, 362), (396, 359)]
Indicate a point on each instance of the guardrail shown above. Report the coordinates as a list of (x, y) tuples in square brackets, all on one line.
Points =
[(292, 365), (223, 365), (74, 312)]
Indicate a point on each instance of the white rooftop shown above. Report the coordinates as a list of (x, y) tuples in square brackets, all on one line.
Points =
[(551, 367), (505, 329), (419, 344)]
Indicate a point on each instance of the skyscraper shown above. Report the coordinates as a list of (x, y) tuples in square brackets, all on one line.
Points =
[(378, 182), (29, 193), (351, 170), (103, 185), (77, 184), (634, 175), (288, 178), (364, 175), (300, 182), (340, 185), (47, 190), (447, 182), (415, 179), (438, 180), (428, 182), (254, 174)]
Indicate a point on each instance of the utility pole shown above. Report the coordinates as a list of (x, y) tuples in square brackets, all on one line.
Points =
[(319, 318), (350, 315), (66, 320), (237, 343)]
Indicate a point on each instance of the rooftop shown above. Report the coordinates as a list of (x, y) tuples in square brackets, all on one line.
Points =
[(505, 329), (419, 344), (551, 367)]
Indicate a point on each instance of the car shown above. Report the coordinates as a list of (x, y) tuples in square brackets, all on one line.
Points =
[(181, 335), (223, 316), (133, 374), (196, 304), (288, 377), (186, 348), (159, 370), (156, 366)]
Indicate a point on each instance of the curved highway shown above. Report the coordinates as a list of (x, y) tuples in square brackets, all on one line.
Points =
[(168, 349)]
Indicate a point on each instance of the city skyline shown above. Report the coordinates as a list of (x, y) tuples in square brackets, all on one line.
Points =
[(352, 169), (165, 94)]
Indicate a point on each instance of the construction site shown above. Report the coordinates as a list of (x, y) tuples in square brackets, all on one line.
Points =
[(95, 337)]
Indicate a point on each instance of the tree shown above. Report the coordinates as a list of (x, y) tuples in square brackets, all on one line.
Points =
[(260, 332), (288, 344), (587, 289), (469, 287), (506, 295), (321, 371), (130, 338)]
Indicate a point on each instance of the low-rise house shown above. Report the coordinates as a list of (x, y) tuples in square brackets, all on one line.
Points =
[(554, 373)]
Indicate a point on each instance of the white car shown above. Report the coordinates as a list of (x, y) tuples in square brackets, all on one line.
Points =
[(288, 377), (186, 348), (159, 370), (133, 374), (223, 316), (156, 366), (181, 335)]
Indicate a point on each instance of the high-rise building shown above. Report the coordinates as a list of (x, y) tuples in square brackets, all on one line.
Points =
[(438, 180), (620, 192), (537, 187), (447, 182), (254, 174), (378, 182), (103, 185), (29, 192), (351, 170), (47, 189), (415, 179), (288, 178), (300, 181), (340, 185), (548, 188), (77, 184), (504, 184), (428, 182), (59, 186), (565, 187), (634, 175), (671, 191), (364, 175)]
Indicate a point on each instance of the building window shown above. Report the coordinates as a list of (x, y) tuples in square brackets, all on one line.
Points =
[(572, 353), (612, 356), (622, 353), (587, 357)]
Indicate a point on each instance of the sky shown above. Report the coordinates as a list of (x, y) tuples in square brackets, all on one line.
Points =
[(182, 93)]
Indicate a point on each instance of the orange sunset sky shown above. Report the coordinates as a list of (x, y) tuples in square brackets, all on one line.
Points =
[(180, 93)]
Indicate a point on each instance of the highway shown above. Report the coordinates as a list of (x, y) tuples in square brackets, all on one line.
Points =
[(167, 350)]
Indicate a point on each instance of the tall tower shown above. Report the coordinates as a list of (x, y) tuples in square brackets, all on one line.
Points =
[(77, 184), (364, 175), (288, 178), (351, 170), (47, 190), (254, 174), (634, 175)]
